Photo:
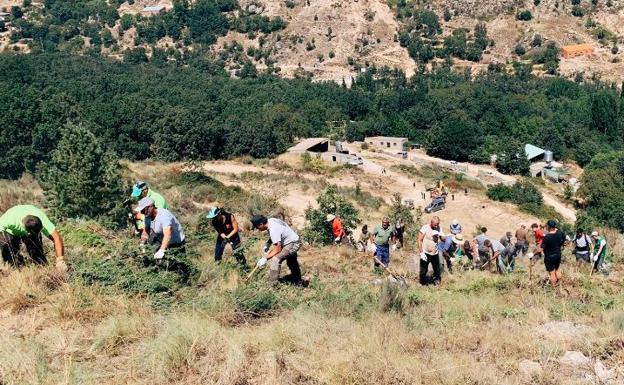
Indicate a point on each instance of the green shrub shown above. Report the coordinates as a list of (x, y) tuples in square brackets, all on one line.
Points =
[(521, 193), (318, 230), (524, 15), (82, 179), (256, 300)]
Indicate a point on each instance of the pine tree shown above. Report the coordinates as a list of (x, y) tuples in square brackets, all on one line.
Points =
[(82, 179)]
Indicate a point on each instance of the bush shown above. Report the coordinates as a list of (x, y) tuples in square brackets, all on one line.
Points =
[(256, 300), (82, 179), (524, 15), (330, 202), (578, 11), (520, 50), (521, 193)]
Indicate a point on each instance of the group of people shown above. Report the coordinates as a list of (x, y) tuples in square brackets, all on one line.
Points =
[(440, 250), (27, 224), (156, 225)]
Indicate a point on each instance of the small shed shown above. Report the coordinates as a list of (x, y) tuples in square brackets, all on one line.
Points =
[(153, 9), (533, 152), (311, 145), (570, 51), (386, 142)]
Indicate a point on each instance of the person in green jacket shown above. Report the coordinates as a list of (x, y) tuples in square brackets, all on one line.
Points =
[(142, 190), (25, 224)]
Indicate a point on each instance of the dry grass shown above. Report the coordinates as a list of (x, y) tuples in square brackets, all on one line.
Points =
[(474, 329)]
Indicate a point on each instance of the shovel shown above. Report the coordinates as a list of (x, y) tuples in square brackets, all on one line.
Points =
[(394, 275)]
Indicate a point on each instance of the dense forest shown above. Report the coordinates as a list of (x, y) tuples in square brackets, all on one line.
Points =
[(171, 113)]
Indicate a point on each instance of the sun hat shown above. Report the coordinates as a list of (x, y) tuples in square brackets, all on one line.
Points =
[(458, 239), (330, 217)]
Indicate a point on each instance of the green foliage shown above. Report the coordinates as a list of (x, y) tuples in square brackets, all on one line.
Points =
[(524, 15), (522, 193), (602, 186), (512, 160), (318, 230), (132, 274), (520, 50), (82, 179), (256, 299), (577, 11)]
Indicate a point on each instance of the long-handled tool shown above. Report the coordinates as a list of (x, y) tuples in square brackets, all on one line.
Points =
[(252, 273), (394, 275), (531, 272)]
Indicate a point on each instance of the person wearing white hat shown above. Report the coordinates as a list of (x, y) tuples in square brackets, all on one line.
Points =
[(338, 230), (165, 226)]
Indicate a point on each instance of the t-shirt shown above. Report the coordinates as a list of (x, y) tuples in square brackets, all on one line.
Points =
[(12, 221), (521, 234), (280, 232), (382, 236), (600, 242), (429, 246), (539, 236), (337, 227), (497, 246), (582, 244), (164, 218), (481, 241), (159, 200), (552, 244)]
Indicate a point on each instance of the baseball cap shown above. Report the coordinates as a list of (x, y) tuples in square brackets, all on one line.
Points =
[(213, 212), (594, 234), (137, 188), (330, 217), (144, 203)]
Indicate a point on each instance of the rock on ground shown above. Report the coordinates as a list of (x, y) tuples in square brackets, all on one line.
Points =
[(564, 331), (575, 360), (529, 368)]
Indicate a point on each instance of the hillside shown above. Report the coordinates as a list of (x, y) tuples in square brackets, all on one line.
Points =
[(335, 40), (115, 320)]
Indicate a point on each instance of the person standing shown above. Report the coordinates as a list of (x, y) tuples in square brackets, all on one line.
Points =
[(484, 252), (399, 231), (285, 246), (25, 224), (599, 253), (551, 246), (538, 233), (383, 236), (507, 239), (227, 229), (582, 246), (522, 242), (428, 239)]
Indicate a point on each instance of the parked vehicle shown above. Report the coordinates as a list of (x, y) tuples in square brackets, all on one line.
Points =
[(436, 204)]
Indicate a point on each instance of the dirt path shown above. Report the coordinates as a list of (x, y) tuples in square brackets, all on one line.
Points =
[(494, 176)]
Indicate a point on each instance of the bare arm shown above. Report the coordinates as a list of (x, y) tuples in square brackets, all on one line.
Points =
[(234, 227), (59, 246), (166, 238), (276, 249), (421, 236)]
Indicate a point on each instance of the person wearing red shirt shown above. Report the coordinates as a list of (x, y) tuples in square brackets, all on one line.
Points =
[(539, 237), (337, 228)]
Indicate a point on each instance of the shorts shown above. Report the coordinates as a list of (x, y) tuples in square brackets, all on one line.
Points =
[(552, 263)]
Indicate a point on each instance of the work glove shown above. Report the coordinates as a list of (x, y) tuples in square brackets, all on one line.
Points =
[(143, 248), (261, 262), (337, 239), (266, 247), (423, 256), (593, 257), (223, 236), (530, 255), (160, 254), (61, 266)]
